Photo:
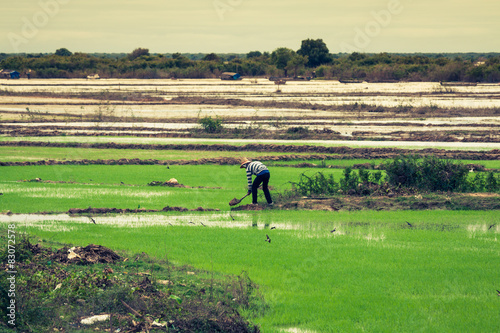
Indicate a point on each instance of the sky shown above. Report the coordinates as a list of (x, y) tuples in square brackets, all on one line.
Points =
[(241, 26)]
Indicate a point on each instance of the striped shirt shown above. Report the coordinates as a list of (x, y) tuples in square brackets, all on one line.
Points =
[(254, 168)]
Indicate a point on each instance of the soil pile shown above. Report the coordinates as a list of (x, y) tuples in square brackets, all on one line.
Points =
[(249, 207), (97, 211), (91, 254)]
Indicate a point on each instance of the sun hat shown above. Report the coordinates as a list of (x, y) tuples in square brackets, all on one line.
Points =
[(244, 164)]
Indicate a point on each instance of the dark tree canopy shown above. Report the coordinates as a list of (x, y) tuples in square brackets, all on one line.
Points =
[(316, 52), (281, 56), (63, 52), (253, 54), (211, 57), (138, 52)]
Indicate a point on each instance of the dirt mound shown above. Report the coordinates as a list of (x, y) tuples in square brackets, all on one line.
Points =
[(234, 201), (96, 211), (248, 207), (105, 210), (91, 254)]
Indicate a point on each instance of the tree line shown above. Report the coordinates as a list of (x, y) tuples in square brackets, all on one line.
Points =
[(312, 59)]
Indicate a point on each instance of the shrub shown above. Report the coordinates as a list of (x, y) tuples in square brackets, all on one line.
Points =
[(364, 176), (211, 125), (403, 171), (298, 130), (350, 180), (441, 175), (316, 184), (492, 184), (477, 183), (430, 174), (376, 177)]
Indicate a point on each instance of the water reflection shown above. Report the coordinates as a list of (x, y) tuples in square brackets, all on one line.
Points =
[(334, 228)]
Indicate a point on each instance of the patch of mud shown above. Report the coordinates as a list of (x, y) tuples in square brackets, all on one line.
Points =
[(248, 207), (406, 202), (90, 210), (286, 131)]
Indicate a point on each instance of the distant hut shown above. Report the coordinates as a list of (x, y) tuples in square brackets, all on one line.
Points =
[(230, 76), (10, 74), (15, 75)]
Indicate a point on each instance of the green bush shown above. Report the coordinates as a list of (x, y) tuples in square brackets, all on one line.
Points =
[(442, 175), (317, 184), (430, 174), (403, 171), (492, 184), (211, 125), (350, 180)]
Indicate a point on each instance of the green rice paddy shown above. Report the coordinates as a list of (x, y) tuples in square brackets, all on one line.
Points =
[(364, 271), (374, 273)]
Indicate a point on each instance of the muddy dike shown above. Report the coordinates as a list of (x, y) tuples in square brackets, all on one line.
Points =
[(93, 288), (104, 210), (286, 134), (341, 152), (483, 201)]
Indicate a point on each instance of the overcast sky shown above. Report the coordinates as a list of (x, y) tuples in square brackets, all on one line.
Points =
[(240, 26)]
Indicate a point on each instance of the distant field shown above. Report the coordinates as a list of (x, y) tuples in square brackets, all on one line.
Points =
[(476, 146), (31, 154), (12, 154)]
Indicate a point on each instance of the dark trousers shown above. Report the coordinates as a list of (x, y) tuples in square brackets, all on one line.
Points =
[(264, 180)]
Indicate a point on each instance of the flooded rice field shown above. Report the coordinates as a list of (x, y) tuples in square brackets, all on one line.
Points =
[(472, 146), (332, 92), (361, 230), (404, 111), (320, 91)]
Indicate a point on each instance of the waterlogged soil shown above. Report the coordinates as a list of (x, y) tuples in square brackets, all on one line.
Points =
[(458, 201), (360, 131), (252, 109), (413, 202)]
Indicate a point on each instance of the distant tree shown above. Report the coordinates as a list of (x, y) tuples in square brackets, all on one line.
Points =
[(281, 56), (138, 52), (316, 52), (253, 54), (297, 61), (355, 56), (63, 52), (211, 57), (176, 55)]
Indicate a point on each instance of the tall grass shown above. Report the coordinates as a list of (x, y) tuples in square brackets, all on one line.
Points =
[(374, 273)]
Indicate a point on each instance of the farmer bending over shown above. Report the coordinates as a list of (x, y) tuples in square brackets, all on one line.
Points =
[(262, 172)]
